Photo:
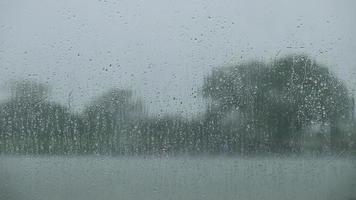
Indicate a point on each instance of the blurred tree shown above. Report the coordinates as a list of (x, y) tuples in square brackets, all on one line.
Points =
[(31, 124), (169, 135), (277, 100), (110, 122)]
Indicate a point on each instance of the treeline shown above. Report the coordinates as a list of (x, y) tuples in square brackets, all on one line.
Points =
[(290, 105)]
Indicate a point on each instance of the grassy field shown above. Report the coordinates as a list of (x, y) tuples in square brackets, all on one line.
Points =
[(219, 178)]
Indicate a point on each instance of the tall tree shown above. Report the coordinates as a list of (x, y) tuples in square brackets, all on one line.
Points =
[(29, 123), (110, 121), (277, 100)]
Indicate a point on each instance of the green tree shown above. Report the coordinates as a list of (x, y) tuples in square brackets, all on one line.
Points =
[(111, 121), (29, 123), (279, 99)]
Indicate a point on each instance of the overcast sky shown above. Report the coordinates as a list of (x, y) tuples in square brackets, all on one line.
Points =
[(163, 48)]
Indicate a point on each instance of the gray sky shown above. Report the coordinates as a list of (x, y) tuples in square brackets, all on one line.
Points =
[(163, 48)]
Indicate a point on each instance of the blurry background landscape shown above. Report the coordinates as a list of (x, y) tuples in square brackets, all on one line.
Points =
[(291, 105), (166, 99), (122, 77)]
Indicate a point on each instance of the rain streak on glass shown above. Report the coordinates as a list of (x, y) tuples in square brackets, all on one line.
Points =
[(177, 100)]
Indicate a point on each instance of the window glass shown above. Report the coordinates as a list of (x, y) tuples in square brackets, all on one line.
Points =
[(164, 99)]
